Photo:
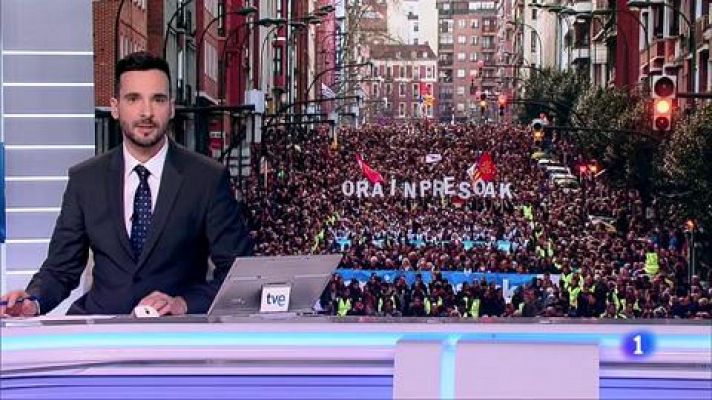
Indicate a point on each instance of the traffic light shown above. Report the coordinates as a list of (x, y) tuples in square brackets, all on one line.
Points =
[(664, 89), (502, 100), (538, 129), (483, 96), (662, 114)]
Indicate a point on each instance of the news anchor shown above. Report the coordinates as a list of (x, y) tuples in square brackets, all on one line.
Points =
[(150, 211)]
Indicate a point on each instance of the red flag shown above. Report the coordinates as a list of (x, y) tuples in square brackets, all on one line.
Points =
[(486, 167), (371, 174)]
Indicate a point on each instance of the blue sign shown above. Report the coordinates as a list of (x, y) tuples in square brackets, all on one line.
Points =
[(508, 282), (2, 192)]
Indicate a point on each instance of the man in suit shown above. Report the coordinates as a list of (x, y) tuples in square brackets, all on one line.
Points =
[(151, 212)]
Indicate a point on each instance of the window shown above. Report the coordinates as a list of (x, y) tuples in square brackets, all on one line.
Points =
[(389, 89), (401, 109), (415, 108), (475, 23), (473, 72), (278, 8), (461, 56), (460, 73), (415, 27), (402, 72), (486, 23), (533, 43), (474, 40), (415, 41), (534, 10), (460, 91), (416, 91), (460, 107), (473, 56), (429, 73), (277, 61), (461, 39), (462, 24), (401, 89), (446, 39)]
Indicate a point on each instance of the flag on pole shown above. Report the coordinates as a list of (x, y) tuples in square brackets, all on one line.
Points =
[(488, 171), (474, 172), (371, 174), (483, 168), (327, 92)]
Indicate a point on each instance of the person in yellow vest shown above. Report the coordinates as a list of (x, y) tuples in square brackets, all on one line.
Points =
[(651, 262), (474, 309), (343, 306)]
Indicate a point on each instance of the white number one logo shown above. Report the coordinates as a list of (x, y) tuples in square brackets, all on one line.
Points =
[(638, 345)]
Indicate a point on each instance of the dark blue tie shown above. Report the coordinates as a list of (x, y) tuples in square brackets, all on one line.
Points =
[(141, 220)]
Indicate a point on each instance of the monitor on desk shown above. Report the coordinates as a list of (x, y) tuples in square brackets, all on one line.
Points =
[(306, 276)]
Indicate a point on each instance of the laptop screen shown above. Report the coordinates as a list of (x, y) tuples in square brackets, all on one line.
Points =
[(240, 293)]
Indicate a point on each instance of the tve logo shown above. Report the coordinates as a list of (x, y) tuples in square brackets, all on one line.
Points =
[(275, 298)]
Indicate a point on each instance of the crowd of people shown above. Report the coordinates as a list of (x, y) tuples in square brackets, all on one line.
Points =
[(615, 254)]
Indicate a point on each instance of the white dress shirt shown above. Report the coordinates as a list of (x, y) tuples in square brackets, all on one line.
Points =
[(131, 180)]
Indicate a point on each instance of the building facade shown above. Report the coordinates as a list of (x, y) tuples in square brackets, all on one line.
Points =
[(467, 48), (404, 79)]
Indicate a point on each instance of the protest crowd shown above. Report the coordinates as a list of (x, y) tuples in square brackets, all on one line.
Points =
[(592, 249)]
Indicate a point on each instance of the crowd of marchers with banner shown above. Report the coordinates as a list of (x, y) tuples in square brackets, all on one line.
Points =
[(472, 221)]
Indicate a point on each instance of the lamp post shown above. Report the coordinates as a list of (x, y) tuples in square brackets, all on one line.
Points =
[(334, 68), (571, 12), (170, 23), (535, 32), (266, 22), (117, 21), (693, 60), (245, 12)]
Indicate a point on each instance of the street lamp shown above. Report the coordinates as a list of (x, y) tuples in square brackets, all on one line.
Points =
[(245, 12), (240, 47), (117, 21), (170, 23), (535, 32), (638, 4)]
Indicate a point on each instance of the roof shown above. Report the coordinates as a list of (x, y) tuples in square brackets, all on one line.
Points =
[(402, 52)]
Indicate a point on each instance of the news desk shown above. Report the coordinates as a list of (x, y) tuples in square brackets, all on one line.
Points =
[(318, 357)]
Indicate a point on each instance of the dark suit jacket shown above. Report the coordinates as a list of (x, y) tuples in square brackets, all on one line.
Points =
[(195, 216)]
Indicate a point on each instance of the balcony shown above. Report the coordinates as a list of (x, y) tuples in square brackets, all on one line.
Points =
[(489, 30), (579, 54), (657, 55), (599, 4), (702, 30), (582, 6), (671, 58)]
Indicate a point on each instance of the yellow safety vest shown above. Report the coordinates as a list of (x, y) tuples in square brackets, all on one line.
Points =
[(651, 263), (343, 307), (475, 308)]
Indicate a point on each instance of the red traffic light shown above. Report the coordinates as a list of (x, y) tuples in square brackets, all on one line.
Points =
[(502, 99), (662, 123)]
